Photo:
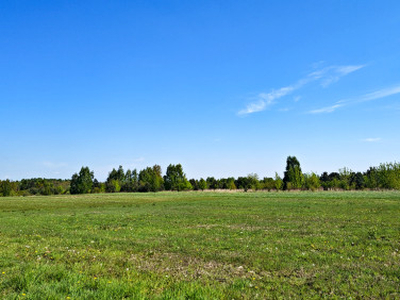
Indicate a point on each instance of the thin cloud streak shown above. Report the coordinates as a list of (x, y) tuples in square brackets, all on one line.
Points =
[(267, 99), (381, 93), (327, 76), (372, 140), (367, 97), (260, 105), (328, 109), (344, 70), (334, 73)]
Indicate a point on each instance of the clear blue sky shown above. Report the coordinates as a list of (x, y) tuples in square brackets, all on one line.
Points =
[(226, 88)]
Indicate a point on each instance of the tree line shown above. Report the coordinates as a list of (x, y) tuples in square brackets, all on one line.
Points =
[(150, 179)]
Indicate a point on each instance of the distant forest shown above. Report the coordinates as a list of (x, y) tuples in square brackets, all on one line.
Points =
[(384, 177)]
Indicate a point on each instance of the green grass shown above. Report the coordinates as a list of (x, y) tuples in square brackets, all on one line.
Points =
[(201, 246)]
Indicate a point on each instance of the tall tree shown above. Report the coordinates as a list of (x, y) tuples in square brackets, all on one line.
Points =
[(311, 181), (82, 183), (268, 183), (345, 177), (278, 182), (150, 179), (231, 183), (388, 176), (8, 188), (202, 184), (293, 177), (175, 179), (212, 183), (116, 180), (254, 181), (195, 184), (130, 183), (244, 183), (357, 181)]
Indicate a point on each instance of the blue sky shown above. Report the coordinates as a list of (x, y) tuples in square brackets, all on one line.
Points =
[(226, 88)]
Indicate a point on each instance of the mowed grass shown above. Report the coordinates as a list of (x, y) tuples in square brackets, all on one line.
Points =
[(201, 245)]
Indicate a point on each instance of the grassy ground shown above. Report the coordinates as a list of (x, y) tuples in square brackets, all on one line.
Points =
[(201, 245)]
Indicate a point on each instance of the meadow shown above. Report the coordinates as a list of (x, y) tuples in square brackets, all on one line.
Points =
[(201, 245)]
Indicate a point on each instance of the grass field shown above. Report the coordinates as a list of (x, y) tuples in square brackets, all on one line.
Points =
[(201, 246)]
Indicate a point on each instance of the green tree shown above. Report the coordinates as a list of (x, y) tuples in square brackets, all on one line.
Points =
[(113, 186), (82, 183), (334, 181), (244, 183), (278, 182), (311, 181), (345, 176), (47, 188), (195, 184), (115, 180), (8, 188), (202, 184), (293, 177), (254, 181), (150, 179), (371, 178), (120, 174), (98, 187), (268, 183), (357, 181), (131, 182), (231, 183), (212, 183), (175, 179), (325, 181), (388, 176)]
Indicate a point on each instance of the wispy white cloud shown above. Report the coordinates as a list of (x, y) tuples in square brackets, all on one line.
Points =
[(326, 76), (266, 99), (344, 70), (372, 140), (334, 73), (367, 97), (328, 109), (381, 93), (260, 105)]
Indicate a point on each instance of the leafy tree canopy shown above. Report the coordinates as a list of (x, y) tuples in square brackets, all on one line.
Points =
[(82, 183), (175, 179), (293, 177)]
